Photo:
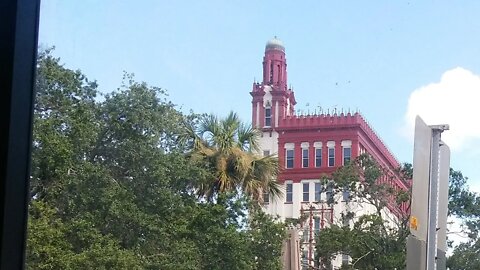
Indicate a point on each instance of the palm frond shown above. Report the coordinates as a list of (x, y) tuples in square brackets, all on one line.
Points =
[(209, 128), (248, 138), (226, 147)]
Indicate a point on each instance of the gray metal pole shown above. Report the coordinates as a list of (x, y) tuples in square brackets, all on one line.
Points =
[(433, 201)]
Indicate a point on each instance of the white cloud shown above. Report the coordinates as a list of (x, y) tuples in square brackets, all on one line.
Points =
[(454, 101)]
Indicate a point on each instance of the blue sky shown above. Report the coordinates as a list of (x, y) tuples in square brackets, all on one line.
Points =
[(389, 59)]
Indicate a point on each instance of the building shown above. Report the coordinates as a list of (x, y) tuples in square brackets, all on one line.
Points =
[(309, 146)]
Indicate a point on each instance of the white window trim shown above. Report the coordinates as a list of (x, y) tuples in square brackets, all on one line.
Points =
[(289, 146), (328, 157), (265, 117), (303, 191), (343, 154)]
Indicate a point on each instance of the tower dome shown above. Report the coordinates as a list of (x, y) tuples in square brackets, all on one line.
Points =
[(275, 44)]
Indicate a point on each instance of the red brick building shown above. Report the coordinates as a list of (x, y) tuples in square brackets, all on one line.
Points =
[(309, 146)]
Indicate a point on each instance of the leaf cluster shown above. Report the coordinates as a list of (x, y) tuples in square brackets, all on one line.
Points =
[(113, 188)]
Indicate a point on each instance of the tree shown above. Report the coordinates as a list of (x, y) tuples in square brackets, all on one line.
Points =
[(375, 240), (227, 147), (111, 185), (464, 205)]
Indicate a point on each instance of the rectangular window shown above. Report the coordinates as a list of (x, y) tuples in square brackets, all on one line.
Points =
[(268, 117), (306, 192), (347, 155), (306, 234), (266, 197), (346, 195), (318, 192), (289, 158), (318, 157), (329, 193), (331, 157), (317, 224), (305, 158), (289, 192), (266, 153), (305, 263)]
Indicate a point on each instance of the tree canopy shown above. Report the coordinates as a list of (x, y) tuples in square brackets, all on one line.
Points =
[(373, 240), (112, 186)]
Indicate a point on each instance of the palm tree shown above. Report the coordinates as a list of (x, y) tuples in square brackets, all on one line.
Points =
[(228, 147)]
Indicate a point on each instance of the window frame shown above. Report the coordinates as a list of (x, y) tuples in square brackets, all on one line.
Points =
[(318, 158), (288, 193), (331, 156), (266, 197), (346, 195), (344, 156), (305, 158), (269, 117), (18, 42), (317, 224), (291, 159), (305, 194), (318, 193)]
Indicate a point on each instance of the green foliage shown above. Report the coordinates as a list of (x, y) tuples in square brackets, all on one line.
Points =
[(372, 240), (465, 206), (372, 244), (465, 256), (226, 147), (112, 188)]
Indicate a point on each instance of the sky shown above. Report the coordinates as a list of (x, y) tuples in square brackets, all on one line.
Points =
[(391, 60)]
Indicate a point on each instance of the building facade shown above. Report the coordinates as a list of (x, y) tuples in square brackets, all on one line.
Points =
[(309, 146)]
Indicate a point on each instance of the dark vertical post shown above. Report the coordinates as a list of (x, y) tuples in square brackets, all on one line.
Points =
[(18, 47)]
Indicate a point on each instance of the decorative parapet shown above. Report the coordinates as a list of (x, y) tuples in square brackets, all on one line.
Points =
[(319, 121), (379, 142), (339, 120)]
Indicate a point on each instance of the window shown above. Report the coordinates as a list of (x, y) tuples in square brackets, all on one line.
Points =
[(306, 234), (329, 193), (316, 224), (289, 158), (305, 263), (318, 157), (266, 197), (331, 157), (346, 195), (266, 153), (347, 155), (271, 73), (318, 192), (306, 192), (268, 117), (346, 151), (289, 192), (305, 158)]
